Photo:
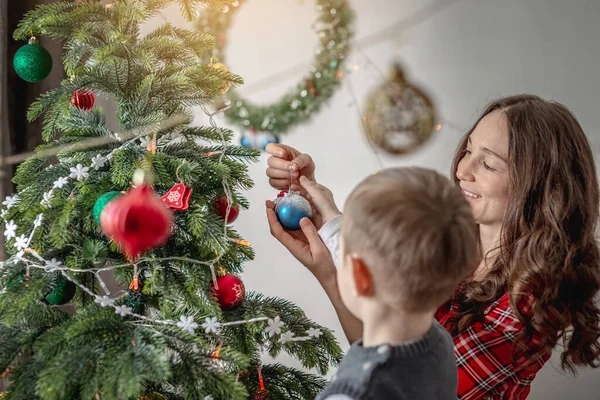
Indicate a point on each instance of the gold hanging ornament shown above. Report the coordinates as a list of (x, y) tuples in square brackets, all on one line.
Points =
[(214, 64), (399, 118)]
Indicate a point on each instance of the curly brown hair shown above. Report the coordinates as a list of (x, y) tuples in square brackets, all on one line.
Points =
[(547, 250)]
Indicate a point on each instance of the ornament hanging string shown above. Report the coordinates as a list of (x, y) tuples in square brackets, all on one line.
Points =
[(177, 171), (362, 121), (291, 169)]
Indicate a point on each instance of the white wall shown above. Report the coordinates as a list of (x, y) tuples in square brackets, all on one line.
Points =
[(467, 54)]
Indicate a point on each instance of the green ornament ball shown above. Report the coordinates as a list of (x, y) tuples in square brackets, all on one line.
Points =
[(32, 62), (101, 204), (62, 293)]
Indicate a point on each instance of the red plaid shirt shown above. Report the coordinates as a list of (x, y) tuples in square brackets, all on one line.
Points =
[(484, 354)]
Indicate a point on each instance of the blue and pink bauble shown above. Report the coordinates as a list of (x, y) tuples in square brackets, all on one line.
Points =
[(290, 209)]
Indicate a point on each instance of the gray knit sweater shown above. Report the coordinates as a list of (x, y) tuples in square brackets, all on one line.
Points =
[(424, 369)]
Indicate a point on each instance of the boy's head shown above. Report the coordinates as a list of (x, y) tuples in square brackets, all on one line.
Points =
[(408, 239)]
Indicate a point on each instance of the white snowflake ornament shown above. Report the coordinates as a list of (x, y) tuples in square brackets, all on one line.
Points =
[(211, 325), (79, 172), (314, 333), (21, 242), (123, 310), (60, 182), (47, 198), (99, 161), (10, 201), (53, 265), (187, 324), (287, 337), (104, 301), (10, 230), (274, 326)]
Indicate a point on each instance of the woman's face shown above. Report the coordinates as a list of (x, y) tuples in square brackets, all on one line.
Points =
[(483, 170)]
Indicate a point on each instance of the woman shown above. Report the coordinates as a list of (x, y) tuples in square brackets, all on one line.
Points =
[(528, 172)]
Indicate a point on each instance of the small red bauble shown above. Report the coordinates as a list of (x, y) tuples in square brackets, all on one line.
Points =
[(260, 395), (137, 221), (231, 292), (83, 99), (220, 205)]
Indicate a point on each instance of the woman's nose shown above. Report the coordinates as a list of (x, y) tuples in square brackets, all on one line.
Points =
[(464, 171)]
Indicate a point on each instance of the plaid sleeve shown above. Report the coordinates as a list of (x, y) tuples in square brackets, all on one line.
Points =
[(484, 358)]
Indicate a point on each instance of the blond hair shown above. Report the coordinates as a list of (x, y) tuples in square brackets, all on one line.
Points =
[(415, 231)]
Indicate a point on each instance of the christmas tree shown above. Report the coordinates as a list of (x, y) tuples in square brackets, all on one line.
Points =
[(150, 203)]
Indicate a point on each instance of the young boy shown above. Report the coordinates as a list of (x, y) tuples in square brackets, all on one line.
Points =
[(407, 240)]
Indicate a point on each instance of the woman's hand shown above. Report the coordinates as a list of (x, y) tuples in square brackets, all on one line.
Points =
[(282, 159)]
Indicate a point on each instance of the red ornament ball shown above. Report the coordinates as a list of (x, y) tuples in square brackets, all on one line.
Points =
[(220, 205), (83, 99), (137, 221), (260, 395), (231, 292)]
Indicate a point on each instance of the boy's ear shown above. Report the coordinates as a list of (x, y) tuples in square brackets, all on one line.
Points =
[(363, 281)]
